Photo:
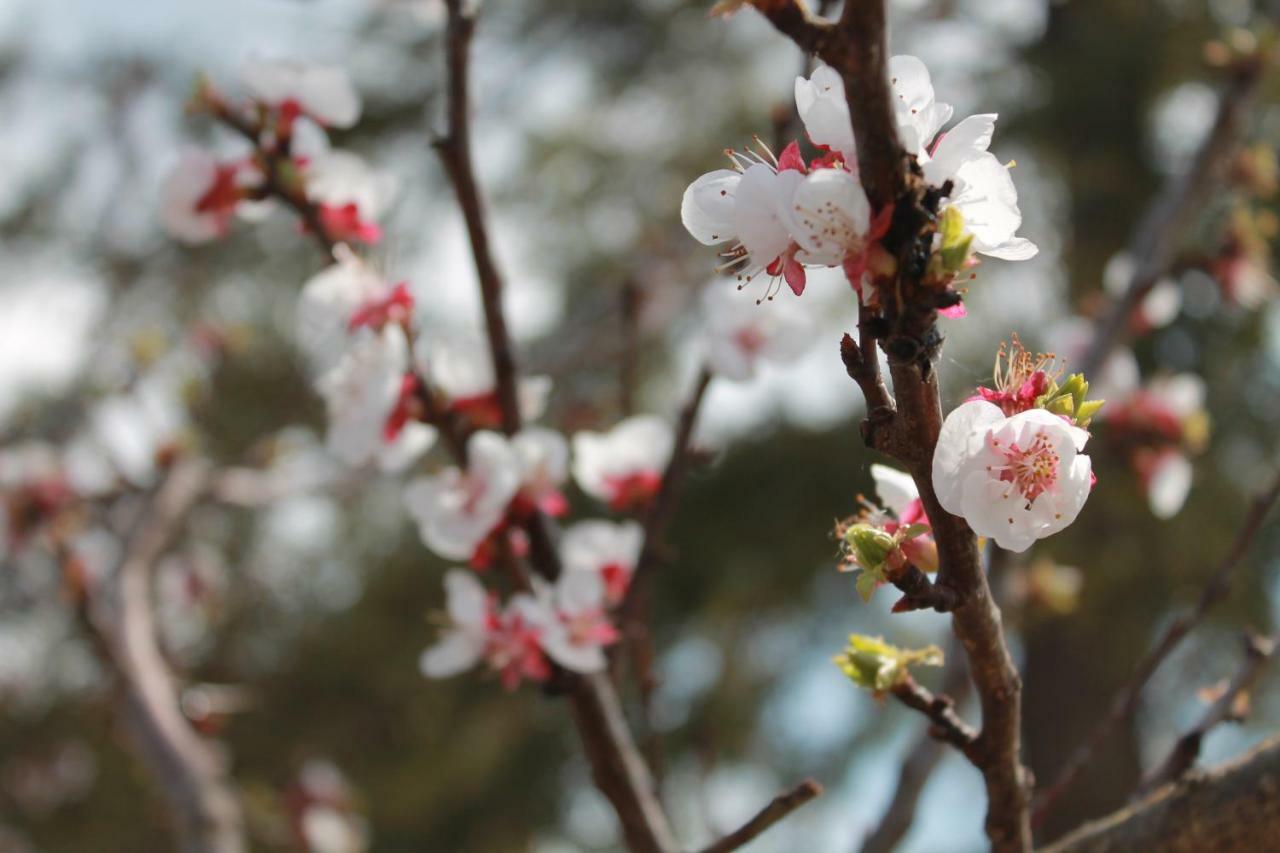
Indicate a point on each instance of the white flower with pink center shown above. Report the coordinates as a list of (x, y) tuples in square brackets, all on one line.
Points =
[(361, 393), (623, 467), (742, 333), (201, 196), (349, 194), (460, 367), (456, 510), (1013, 479), (544, 467), (747, 206), (328, 302), (507, 640), (605, 549), (575, 629), (322, 92)]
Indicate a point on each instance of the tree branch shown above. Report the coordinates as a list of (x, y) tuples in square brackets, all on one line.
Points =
[(191, 776), (941, 712), (1257, 651), (779, 807), (1234, 807), (1172, 213), (1126, 700)]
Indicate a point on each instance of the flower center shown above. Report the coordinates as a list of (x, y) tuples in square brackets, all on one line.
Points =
[(1032, 471)]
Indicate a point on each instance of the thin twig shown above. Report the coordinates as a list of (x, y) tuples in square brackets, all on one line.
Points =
[(781, 806), (1172, 213), (1257, 651), (1126, 700), (941, 712)]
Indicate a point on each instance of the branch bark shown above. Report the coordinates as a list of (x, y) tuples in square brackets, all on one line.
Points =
[(190, 775), (941, 712), (1234, 808), (1126, 700)]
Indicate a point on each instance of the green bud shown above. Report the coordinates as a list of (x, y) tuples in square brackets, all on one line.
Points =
[(870, 545), (872, 663), (956, 244), (1086, 411)]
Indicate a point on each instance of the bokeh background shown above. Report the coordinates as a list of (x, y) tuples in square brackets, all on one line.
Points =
[(592, 117)]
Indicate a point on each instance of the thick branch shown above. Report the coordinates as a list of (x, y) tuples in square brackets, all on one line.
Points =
[(1257, 651), (779, 807), (1167, 220), (1126, 700), (1235, 807), (189, 773)]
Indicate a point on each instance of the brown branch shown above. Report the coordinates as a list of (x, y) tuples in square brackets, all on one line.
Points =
[(1234, 807), (1257, 651), (941, 712), (914, 773), (616, 764), (182, 765), (455, 152), (1126, 700), (778, 808), (856, 47), (1174, 211)]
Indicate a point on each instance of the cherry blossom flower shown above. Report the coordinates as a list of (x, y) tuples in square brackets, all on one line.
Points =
[(623, 467), (201, 196), (457, 510), (741, 333), (544, 467), (1157, 309), (575, 627), (507, 640), (321, 92), (1020, 378), (459, 367), (362, 391), (747, 206), (1013, 479), (824, 112), (606, 549), (831, 219), (350, 195), (919, 115), (330, 303)]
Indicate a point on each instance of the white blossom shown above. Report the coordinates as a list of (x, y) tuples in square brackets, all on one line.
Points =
[(830, 217), (742, 332), (606, 549), (623, 467), (323, 92), (361, 392), (201, 196), (459, 366), (456, 510), (543, 456), (327, 302), (574, 625), (824, 111), (1015, 479)]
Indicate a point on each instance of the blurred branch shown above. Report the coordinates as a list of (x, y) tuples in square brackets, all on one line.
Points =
[(914, 773), (616, 764), (781, 806), (1233, 807), (1126, 700), (1171, 214), (856, 47), (182, 765), (941, 711), (1257, 651)]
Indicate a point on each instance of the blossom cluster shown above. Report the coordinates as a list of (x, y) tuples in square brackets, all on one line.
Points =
[(780, 214)]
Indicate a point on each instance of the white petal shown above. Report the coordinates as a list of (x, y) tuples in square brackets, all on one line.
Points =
[(1169, 485), (829, 215), (919, 116), (707, 207), (589, 546), (821, 104), (465, 598), (964, 142), (895, 488), (455, 652), (763, 198), (961, 436)]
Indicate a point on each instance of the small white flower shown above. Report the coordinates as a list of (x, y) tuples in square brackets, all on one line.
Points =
[(824, 111), (337, 178), (605, 549), (830, 217), (202, 195), (623, 467), (742, 333), (327, 303), (544, 466), (1169, 483), (1014, 480), (456, 510), (462, 643), (361, 392), (574, 625), (323, 92), (460, 367)]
